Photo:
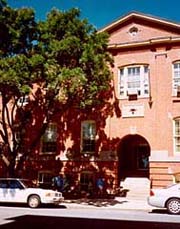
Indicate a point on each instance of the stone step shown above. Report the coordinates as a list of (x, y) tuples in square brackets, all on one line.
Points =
[(137, 188)]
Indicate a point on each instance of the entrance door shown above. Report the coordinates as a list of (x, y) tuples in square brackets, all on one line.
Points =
[(87, 181), (134, 152)]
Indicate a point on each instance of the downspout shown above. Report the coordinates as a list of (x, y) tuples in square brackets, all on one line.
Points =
[(150, 95)]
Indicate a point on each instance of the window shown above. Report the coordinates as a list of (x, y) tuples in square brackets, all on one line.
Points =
[(176, 77), (142, 156), (177, 135), (24, 100), (134, 80), (4, 184), (49, 144), (133, 31), (88, 133), (15, 184), (87, 181), (45, 179)]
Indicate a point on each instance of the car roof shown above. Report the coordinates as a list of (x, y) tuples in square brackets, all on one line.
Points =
[(10, 178)]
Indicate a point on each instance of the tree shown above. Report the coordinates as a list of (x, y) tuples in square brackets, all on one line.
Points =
[(18, 32), (58, 63)]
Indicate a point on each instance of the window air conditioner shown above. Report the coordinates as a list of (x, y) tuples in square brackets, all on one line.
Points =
[(132, 94)]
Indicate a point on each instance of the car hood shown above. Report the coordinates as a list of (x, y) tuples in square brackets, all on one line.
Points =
[(39, 190)]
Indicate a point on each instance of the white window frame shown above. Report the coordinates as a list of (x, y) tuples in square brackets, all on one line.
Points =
[(176, 78), (176, 135), (45, 177), (52, 131), (142, 90), (90, 138), (23, 100)]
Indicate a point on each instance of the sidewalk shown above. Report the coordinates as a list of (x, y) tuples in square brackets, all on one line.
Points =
[(121, 203)]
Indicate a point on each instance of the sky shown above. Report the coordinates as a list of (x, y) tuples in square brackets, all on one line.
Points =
[(101, 13)]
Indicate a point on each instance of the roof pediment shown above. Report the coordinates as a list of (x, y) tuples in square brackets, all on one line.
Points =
[(143, 18), (140, 29)]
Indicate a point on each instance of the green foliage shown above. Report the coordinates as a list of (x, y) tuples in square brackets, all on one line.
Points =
[(14, 73), (18, 28), (79, 54), (64, 56)]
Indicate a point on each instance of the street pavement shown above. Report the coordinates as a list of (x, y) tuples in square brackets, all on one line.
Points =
[(121, 203)]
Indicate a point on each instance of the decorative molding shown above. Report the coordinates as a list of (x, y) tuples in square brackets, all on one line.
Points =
[(162, 156), (132, 110)]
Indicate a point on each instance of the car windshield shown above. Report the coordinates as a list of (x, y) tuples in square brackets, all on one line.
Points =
[(29, 183)]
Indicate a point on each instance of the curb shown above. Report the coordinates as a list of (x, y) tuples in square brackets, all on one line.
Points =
[(119, 203)]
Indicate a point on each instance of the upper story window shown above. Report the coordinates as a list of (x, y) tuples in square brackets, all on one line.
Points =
[(88, 136), (134, 79), (176, 78), (23, 100), (49, 139), (177, 135)]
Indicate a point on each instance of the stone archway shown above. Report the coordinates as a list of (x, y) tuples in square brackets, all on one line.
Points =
[(134, 152)]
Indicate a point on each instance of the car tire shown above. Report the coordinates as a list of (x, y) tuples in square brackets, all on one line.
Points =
[(173, 206), (34, 201)]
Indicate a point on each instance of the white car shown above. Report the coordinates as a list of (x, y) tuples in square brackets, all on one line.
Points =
[(168, 198), (13, 190)]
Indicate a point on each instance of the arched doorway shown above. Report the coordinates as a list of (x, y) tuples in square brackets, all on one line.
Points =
[(134, 152)]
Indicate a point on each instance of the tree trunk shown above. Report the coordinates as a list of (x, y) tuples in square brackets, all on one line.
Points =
[(11, 169)]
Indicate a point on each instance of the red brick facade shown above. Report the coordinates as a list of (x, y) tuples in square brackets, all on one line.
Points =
[(137, 40), (135, 133)]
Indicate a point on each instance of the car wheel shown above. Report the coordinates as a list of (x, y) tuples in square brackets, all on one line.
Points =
[(34, 201), (173, 206)]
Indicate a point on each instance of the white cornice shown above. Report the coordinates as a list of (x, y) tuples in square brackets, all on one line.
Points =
[(160, 40)]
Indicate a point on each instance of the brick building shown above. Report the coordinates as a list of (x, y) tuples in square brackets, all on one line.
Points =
[(147, 78), (137, 133)]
